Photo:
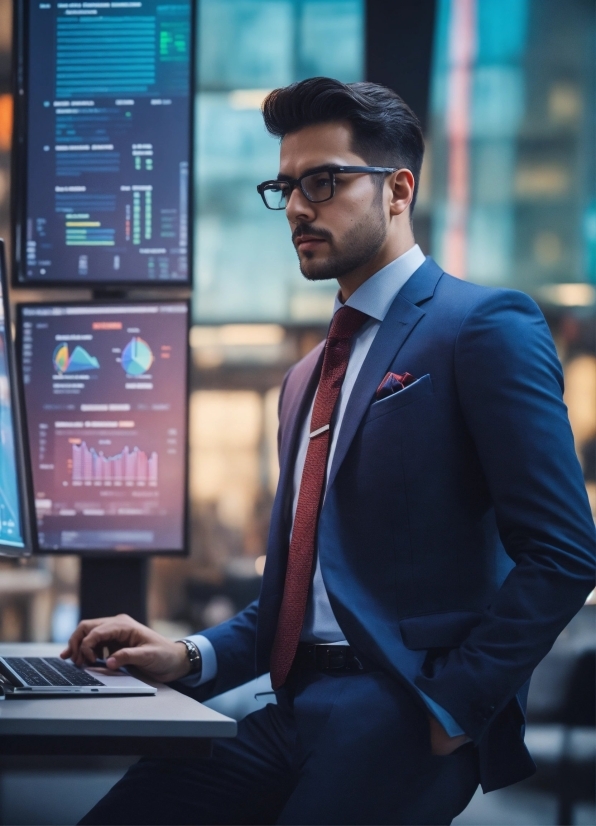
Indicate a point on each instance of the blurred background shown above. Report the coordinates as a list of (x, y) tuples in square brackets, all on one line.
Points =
[(506, 92)]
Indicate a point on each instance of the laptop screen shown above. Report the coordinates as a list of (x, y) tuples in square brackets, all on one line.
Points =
[(12, 535), (105, 391)]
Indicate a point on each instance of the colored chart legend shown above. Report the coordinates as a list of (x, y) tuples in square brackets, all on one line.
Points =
[(79, 361)]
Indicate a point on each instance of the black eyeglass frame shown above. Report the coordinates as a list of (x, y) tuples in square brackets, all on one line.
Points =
[(332, 170)]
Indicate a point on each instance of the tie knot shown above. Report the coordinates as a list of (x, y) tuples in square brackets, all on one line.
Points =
[(346, 322)]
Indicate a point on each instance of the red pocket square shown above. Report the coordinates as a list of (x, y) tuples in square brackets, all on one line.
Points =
[(393, 383)]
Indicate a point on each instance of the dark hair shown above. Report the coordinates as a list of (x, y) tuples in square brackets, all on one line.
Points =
[(385, 130)]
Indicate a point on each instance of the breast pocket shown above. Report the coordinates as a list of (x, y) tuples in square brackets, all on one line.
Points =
[(420, 389)]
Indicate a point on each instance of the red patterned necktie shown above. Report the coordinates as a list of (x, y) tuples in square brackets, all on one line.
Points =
[(346, 322)]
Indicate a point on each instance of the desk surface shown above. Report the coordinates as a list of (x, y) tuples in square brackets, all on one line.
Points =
[(168, 714)]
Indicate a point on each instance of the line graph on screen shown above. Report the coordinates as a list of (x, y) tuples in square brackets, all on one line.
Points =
[(131, 467)]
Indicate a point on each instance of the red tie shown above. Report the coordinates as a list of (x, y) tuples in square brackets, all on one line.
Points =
[(346, 322)]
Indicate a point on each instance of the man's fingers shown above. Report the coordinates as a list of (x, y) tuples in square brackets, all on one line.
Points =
[(446, 749), (109, 632), (91, 636), (79, 634), (92, 633), (113, 632), (128, 656), (441, 743)]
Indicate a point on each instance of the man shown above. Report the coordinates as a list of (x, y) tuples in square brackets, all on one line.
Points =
[(430, 536)]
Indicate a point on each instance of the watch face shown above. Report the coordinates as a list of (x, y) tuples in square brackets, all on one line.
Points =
[(194, 656)]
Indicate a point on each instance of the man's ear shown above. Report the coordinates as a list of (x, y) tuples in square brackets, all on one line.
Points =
[(402, 191)]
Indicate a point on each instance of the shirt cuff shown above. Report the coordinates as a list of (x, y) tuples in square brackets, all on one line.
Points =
[(208, 659), (452, 728)]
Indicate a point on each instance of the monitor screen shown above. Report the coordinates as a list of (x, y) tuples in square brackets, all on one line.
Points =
[(104, 142), (12, 483), (105, 391)]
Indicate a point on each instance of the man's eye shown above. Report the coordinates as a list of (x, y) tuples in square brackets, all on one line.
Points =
[(321, 181)]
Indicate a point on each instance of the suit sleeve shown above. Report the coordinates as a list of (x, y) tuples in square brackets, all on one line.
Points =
[(510, 387), (234, 645), (228, 649)]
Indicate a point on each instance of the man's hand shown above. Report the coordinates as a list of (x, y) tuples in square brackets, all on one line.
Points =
[(441, 743), (128, 643)]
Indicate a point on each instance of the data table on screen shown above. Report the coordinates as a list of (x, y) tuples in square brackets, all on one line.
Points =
[(105, 172)]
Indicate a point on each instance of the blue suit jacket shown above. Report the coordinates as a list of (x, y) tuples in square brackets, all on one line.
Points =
[(456, 540)]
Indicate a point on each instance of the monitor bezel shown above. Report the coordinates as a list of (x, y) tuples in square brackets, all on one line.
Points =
[(19, 170), (24, 480), (96, 553)]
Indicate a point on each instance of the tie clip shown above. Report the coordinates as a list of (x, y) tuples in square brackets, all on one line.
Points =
[(319, 431)]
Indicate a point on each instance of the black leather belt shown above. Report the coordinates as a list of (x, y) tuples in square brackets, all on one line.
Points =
[(328, 659)]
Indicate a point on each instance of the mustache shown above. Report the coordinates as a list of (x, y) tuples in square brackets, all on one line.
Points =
[(308, 229)]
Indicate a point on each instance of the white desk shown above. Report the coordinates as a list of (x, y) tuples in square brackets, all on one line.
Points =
[(168, 724)]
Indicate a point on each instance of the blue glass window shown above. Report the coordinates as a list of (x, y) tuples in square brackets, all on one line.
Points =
[(513, 119), (245, 265)]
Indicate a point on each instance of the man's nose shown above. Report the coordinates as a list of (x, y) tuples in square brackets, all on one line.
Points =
[(299, 208)]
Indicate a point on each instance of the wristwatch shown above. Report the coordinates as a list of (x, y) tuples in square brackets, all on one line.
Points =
[(194, 657)]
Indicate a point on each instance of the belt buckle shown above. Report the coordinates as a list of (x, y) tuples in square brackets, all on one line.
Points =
[(331, 660)]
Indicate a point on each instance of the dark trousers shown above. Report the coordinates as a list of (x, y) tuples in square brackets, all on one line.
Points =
[(346, 749)]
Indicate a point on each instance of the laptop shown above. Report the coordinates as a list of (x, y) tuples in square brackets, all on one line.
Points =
[(55, 677)]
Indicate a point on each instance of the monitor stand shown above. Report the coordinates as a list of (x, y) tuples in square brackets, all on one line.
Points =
[(114, 585)]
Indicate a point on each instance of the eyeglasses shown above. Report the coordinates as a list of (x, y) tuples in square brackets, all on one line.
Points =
[(317, 186)]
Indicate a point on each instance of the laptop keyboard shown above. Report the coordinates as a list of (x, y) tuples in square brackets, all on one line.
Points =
[(52, 671)]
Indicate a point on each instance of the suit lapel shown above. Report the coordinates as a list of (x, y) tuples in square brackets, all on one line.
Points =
[(402, 317)]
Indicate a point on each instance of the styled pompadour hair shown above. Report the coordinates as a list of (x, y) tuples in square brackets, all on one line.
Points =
[(385, 130)]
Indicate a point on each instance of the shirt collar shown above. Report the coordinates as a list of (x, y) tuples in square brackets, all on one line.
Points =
[(376, 295)]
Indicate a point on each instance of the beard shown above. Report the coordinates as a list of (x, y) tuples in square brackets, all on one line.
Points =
[(361, 244)]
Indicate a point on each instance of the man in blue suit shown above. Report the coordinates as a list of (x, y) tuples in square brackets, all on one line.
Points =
[(430, 536)]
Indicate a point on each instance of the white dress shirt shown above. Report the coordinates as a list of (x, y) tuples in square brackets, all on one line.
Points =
[(374, 297)]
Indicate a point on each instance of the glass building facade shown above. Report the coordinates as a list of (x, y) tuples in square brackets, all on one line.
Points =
[(245, 266), (513, 119)]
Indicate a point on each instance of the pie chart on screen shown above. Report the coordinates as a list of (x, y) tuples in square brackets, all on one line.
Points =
[(136, 357)]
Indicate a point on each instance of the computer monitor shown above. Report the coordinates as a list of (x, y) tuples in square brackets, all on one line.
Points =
[(105, 388), (103, 142), (14, 513)]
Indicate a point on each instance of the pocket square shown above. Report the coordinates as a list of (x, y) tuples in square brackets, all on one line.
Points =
[(393, 383)]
